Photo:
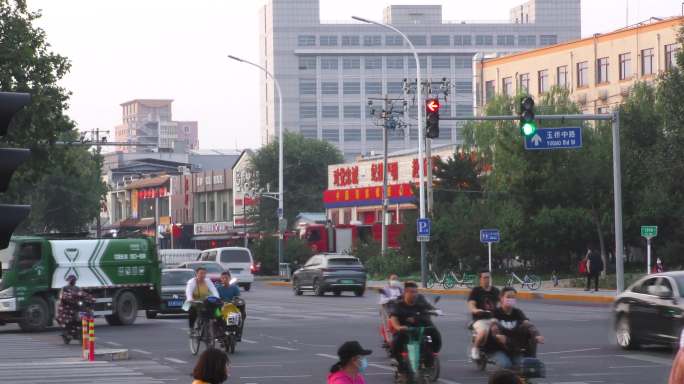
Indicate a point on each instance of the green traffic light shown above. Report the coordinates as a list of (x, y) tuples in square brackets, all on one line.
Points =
[(529, 128)]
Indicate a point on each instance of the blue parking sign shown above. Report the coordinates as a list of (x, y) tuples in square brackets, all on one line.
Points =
[(423, 226)]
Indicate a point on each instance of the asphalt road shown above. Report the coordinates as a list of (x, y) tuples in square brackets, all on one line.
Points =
[(290, 339)]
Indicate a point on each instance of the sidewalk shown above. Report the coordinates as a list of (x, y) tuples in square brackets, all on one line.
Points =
[(573, 295)]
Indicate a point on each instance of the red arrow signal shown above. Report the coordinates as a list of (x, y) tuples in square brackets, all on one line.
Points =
[(432, 105)]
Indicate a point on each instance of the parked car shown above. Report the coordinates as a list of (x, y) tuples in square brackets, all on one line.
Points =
[(237, 260), (214, 269), (173, 282), (330, 273), (650, 311)]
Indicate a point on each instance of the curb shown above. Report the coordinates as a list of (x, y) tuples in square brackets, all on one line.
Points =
[(524, 295)]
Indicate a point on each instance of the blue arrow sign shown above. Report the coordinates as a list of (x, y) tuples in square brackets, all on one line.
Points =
[(423, 226), (489, 236), (555, 138)]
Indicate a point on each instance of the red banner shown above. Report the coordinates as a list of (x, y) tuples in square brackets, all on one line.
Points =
[(397, 193)]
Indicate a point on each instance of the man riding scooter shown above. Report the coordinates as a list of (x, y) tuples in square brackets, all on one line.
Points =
[(482, 302), (516, 337), (412, 310)]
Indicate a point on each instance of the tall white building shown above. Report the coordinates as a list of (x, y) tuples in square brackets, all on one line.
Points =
[(329, 70)]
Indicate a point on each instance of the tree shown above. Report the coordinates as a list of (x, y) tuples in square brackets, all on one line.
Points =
[(62, 183), (305, 176)]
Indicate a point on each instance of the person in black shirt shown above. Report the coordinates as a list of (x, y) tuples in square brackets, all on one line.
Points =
[(482, 302), (513, 331), (594, 268), (411, 311)]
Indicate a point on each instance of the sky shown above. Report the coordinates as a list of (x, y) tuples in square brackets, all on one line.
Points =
[(176, 49)]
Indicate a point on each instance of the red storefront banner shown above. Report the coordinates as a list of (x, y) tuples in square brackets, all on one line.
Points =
[(397, 193)]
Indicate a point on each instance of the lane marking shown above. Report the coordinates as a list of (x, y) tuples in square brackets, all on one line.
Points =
[(569, 351), (284, 348), (445, 381), (113, 343), (141, 351), (255, 365), (248, 341), (649, 359), (386, 368), (636, 366), (586, 356), (174, 360), (275, 377), (327, 355)]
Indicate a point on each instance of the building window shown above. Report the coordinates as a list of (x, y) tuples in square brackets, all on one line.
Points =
[(412, 62), (583, 74), (440, 40), (602, 70), (548, 40), (329, 63), (527, 40), (625, 66), (307, 63), (351, 87), (463, 87), (507, 86), (350, 41), (671, 56), (351, 63), (418, 40), (309, 132), (461, 40), (372, 41), (307, 87), (394, 62), (373, 88), (647, 61), (373, 134), (562, 76), (441, 62), (331, 135), (328, 41), (484, 40), (445, 110), (463, 62), (352, 111), (395, 87), (373, 62), (543, 80), (329, 88), (352, 134), (330, 112), (525, 82), (505, 40), (306, 41), (465, 109), (394, 41), (307, 110), (489, 90)]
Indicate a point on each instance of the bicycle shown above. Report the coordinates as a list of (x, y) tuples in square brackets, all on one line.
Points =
[(533, 282), (466, 280), (204, 329), (447, 281)]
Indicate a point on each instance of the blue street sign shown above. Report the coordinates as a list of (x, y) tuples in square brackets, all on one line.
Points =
[(489, 236), (555, 138), (279, 212), (423, 226)]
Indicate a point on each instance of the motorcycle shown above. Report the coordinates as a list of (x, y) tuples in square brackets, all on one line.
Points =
[(77, 305), (231, 324), (423, 361), (527, 368)]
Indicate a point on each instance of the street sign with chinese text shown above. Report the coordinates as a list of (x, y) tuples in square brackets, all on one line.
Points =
[(554, 138), (649, 231), (489, 236)]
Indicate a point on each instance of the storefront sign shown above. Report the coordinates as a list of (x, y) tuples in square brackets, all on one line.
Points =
[(366, 196), (218, 228), (346, 176), (152, 193)]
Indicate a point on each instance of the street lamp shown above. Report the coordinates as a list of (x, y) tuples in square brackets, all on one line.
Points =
[(421, 136), (280, 150)]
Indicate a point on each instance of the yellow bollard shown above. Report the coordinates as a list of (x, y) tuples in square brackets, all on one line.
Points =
[(84, 337), (91, 338)]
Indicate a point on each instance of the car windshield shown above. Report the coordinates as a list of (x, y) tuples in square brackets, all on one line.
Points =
[(235, 256), (210, 267), (680, 284), (176, 277), (343, 262)]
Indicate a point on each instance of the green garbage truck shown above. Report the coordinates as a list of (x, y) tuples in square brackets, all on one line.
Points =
[(124, 276)]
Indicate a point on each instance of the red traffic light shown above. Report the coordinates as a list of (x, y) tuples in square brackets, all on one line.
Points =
[(432, 105)]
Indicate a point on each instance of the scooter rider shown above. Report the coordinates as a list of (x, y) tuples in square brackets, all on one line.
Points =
[(482, 302), (227, 292), (411, 311), (392, 290), (68, 301), (514, 333)]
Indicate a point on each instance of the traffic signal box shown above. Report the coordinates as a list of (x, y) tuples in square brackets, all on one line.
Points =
[(432, 118)]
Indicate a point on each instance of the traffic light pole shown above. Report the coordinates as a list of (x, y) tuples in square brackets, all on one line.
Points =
[(385, 200), (614, 118)]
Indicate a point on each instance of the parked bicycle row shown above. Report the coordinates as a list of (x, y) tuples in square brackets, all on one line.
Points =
[(450, 279)]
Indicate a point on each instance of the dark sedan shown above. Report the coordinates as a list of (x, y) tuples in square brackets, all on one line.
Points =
[(650, 311), (330, 273), (173, 282)]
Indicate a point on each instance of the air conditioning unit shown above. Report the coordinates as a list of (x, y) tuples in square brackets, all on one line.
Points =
[(603, 94)]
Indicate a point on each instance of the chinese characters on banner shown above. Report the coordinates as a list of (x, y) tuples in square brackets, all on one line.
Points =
[(346, 176), (377, 171)]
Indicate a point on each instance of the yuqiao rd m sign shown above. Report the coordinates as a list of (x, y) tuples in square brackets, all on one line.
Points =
[(489, 236), (554, 138)]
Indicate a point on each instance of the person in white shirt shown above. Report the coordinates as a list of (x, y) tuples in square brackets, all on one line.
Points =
[(198, 289)]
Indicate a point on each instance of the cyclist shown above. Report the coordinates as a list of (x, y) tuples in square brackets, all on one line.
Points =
[(516, 336), (411, 311), (228, 292), (198, 289), (482, 302)]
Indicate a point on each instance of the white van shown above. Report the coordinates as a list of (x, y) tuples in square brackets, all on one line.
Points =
[(237, 260)]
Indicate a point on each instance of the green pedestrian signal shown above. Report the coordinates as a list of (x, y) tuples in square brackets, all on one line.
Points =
[(528, 126)]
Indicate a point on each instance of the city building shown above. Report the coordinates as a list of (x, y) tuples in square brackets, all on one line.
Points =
[(354, 191), (212, 202), (149, 121), (245, 191), (599, 71), (329, 70)]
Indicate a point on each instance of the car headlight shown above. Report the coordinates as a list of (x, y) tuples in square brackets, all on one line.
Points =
[(7, 293)]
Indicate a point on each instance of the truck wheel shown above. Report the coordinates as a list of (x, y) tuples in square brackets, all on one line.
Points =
[(36, 315), (151, 314), (125, 310)]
